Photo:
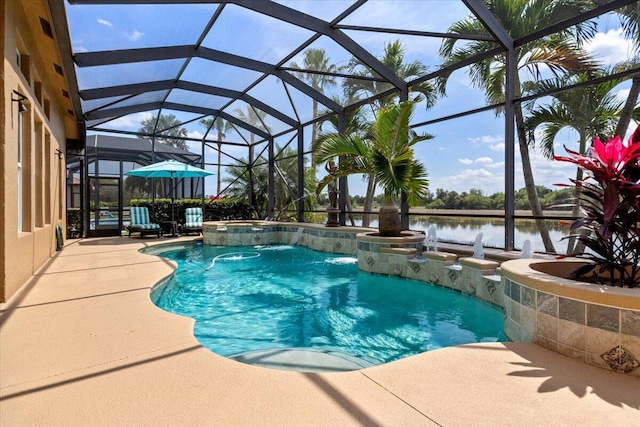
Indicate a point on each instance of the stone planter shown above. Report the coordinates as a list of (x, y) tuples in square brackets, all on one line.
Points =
[(597, 324)]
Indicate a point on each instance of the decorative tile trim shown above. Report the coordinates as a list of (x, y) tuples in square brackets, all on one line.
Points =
[(607, 318), (251, 233), (630, 322), (571, 310), (547, 304), (604, 336)]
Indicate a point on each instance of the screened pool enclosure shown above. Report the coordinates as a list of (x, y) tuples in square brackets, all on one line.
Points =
[(248, 86)]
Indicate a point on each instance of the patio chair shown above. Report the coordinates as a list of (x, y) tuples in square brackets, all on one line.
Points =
[(140, 223), (193, 221)]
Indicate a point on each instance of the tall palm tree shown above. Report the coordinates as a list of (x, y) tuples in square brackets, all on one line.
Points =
[(592, 111), (253, 117), (386, 152), (221, 126), (394, 59), (630, 109), (316, 60), (167, 131), (557, 53), (356, 122)]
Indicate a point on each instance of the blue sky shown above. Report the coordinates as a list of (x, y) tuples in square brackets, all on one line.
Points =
[(465, 153)]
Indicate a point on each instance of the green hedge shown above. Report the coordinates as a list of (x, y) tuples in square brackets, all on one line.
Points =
[(214, 210)]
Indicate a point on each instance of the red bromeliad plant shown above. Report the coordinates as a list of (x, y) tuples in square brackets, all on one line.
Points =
[(610, 204)]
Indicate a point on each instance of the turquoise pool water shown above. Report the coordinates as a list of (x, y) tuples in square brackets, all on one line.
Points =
[(254, 298)]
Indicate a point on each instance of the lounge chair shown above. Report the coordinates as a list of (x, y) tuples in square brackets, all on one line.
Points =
[(140, 223), (193, 221)]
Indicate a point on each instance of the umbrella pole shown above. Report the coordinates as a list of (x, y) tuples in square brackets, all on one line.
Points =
[(173, 198)]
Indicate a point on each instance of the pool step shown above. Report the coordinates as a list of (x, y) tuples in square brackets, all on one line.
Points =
[(304, 360)]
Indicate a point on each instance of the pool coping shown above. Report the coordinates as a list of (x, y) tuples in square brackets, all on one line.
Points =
[(84, 328)]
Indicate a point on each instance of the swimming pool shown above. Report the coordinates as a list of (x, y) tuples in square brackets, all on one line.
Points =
[(267, 297)]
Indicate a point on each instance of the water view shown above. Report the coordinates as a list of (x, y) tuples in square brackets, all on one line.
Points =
[(465, 229)]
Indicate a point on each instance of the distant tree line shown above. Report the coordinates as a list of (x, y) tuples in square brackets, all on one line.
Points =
[(475, 199)]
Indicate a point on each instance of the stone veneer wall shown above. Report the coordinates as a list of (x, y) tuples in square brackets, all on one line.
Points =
[(582, 328), (314, 236), (473, 277)]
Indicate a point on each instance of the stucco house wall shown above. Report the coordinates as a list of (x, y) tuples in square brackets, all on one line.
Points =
[(32, 67)]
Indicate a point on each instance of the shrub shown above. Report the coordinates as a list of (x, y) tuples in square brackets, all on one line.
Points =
[(214, 210), (610, 205)]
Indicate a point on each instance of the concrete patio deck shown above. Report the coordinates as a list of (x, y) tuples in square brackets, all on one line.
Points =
[(82, 344)]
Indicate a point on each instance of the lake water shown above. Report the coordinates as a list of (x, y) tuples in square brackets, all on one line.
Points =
[(465, 230)]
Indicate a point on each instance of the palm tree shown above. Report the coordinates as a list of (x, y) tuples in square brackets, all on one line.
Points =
[(221, 126), (255, 118), (316, 60), (386, 153), (630, 109), (357, 123), (167, 131), (556, 53), (240, 184), (286, 183), (393, 58), (592, 111)]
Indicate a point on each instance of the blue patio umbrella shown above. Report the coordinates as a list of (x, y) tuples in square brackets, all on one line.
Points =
[(170, 169)]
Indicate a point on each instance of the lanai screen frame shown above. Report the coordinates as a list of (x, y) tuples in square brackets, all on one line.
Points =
[(505, 45)]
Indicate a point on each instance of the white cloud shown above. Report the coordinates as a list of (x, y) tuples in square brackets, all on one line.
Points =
[(496, 165), (135, 35), (131, 121), (105, 22), (465, 161), (195, 134), (481, 179), (79, 48), (484, 160), (487, 139), (497, 147), (610, 47)]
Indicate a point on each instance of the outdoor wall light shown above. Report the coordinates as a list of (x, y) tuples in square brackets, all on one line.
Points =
[(21, 107)]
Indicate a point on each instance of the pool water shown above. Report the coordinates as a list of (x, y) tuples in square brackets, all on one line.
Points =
[(266, 297)]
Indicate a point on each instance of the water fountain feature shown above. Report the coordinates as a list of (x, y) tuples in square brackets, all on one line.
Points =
[(478, 250), (431, 241), (296, 236)]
